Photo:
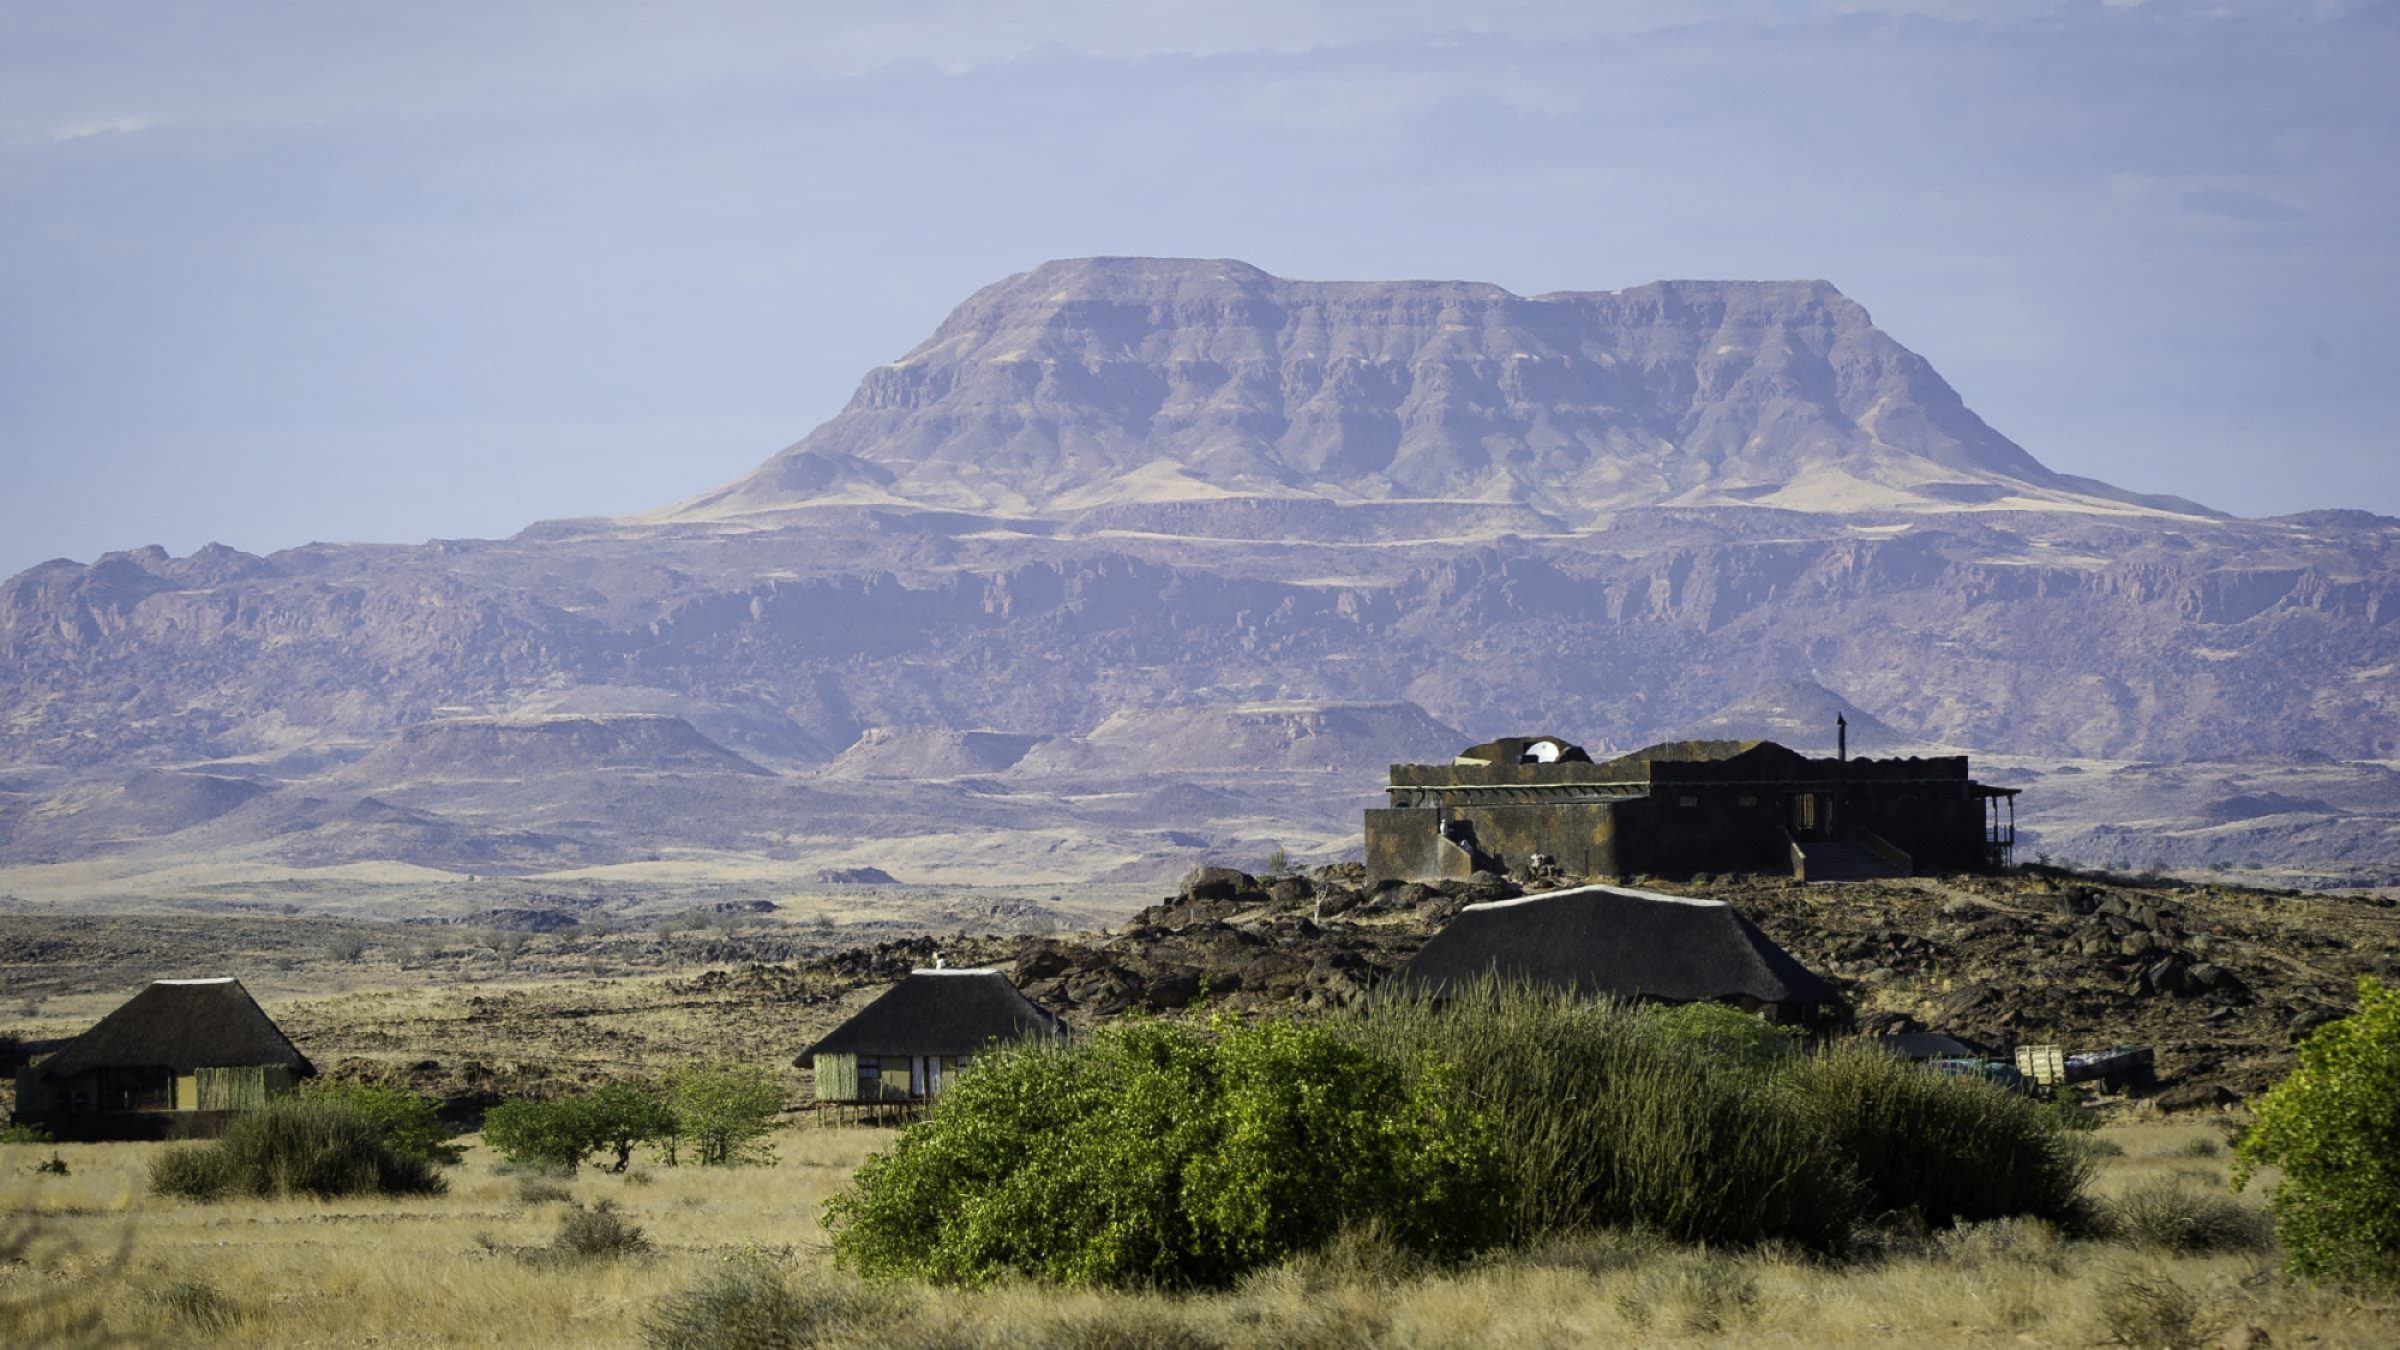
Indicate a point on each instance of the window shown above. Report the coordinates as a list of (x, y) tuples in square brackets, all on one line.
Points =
[(1687, 801), (1748, 800), (870, 1069)]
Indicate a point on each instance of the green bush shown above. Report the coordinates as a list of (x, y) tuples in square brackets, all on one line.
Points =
[(24, 1134), (294, 1146), (1606, 1120), (2171, 1216), (2333, 1129), (409, 1123), (1154, 1155), (724, 1112), (1950, 1150), (1726, 1034), (750, 1303)]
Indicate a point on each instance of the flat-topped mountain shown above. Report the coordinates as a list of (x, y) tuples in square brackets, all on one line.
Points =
[(1135, 564), (1104, 381)]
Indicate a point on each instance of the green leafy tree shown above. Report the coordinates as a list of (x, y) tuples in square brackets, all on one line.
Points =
[(565, 1131), (2333, 1127), (548, 1134), (1278, 865), (724, 1111), (623, 1114), (1154, 1155)]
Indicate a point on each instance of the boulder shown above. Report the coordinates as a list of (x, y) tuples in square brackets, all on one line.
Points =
[(1043, 963), (1290, 891), (1171, 990), (2305, 1022), (1215, 883)]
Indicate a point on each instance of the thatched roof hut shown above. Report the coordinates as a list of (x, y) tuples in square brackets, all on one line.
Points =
[(179, 1047), (1616, 942), (926, 1027)]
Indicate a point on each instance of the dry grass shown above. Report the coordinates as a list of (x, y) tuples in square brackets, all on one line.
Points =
[(446, 1271)]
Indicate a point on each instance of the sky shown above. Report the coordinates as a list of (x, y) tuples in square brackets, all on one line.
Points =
[(280, 272)]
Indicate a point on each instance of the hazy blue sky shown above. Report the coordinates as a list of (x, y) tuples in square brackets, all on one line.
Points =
[(272, 272)]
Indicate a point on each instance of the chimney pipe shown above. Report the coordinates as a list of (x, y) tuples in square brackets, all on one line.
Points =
[(1841, 736)]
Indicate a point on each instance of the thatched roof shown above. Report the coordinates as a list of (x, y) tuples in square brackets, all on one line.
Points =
[(938, 1012), (1620, 943), (181, 1025)]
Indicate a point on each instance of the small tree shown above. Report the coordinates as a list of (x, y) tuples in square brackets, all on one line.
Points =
[(624, 1114), (2333, 1128), (409, 1123), (549, 1134), (724, 1111), (1278, 865)]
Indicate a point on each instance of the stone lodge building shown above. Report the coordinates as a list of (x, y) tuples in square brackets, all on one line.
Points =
[(1682, 807)]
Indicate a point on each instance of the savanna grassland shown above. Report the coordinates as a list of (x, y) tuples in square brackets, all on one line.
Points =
[(92, 1256)]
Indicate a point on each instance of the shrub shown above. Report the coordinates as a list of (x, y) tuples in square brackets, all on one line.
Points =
[(2149, 1310), (1152, 1155), (190, 1172), (52, 1166), (2031, 1243), (2331, 1127), (24, 1134), (1361, 1255), (2171, 1216), (1727, 1034), (724, 1112), (409, 1123), (1604, 1121), (541, 1191), (596, 1234), (2070, 1110), (197, 1305), (1948, 1149), (750, 1303), (293, 1146), (1703, 1292)]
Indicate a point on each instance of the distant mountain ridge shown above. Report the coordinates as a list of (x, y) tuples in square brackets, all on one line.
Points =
[(1141, 563), (1099, 382)]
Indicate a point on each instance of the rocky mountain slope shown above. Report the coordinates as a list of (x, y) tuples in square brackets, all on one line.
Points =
[(1138, 562)]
